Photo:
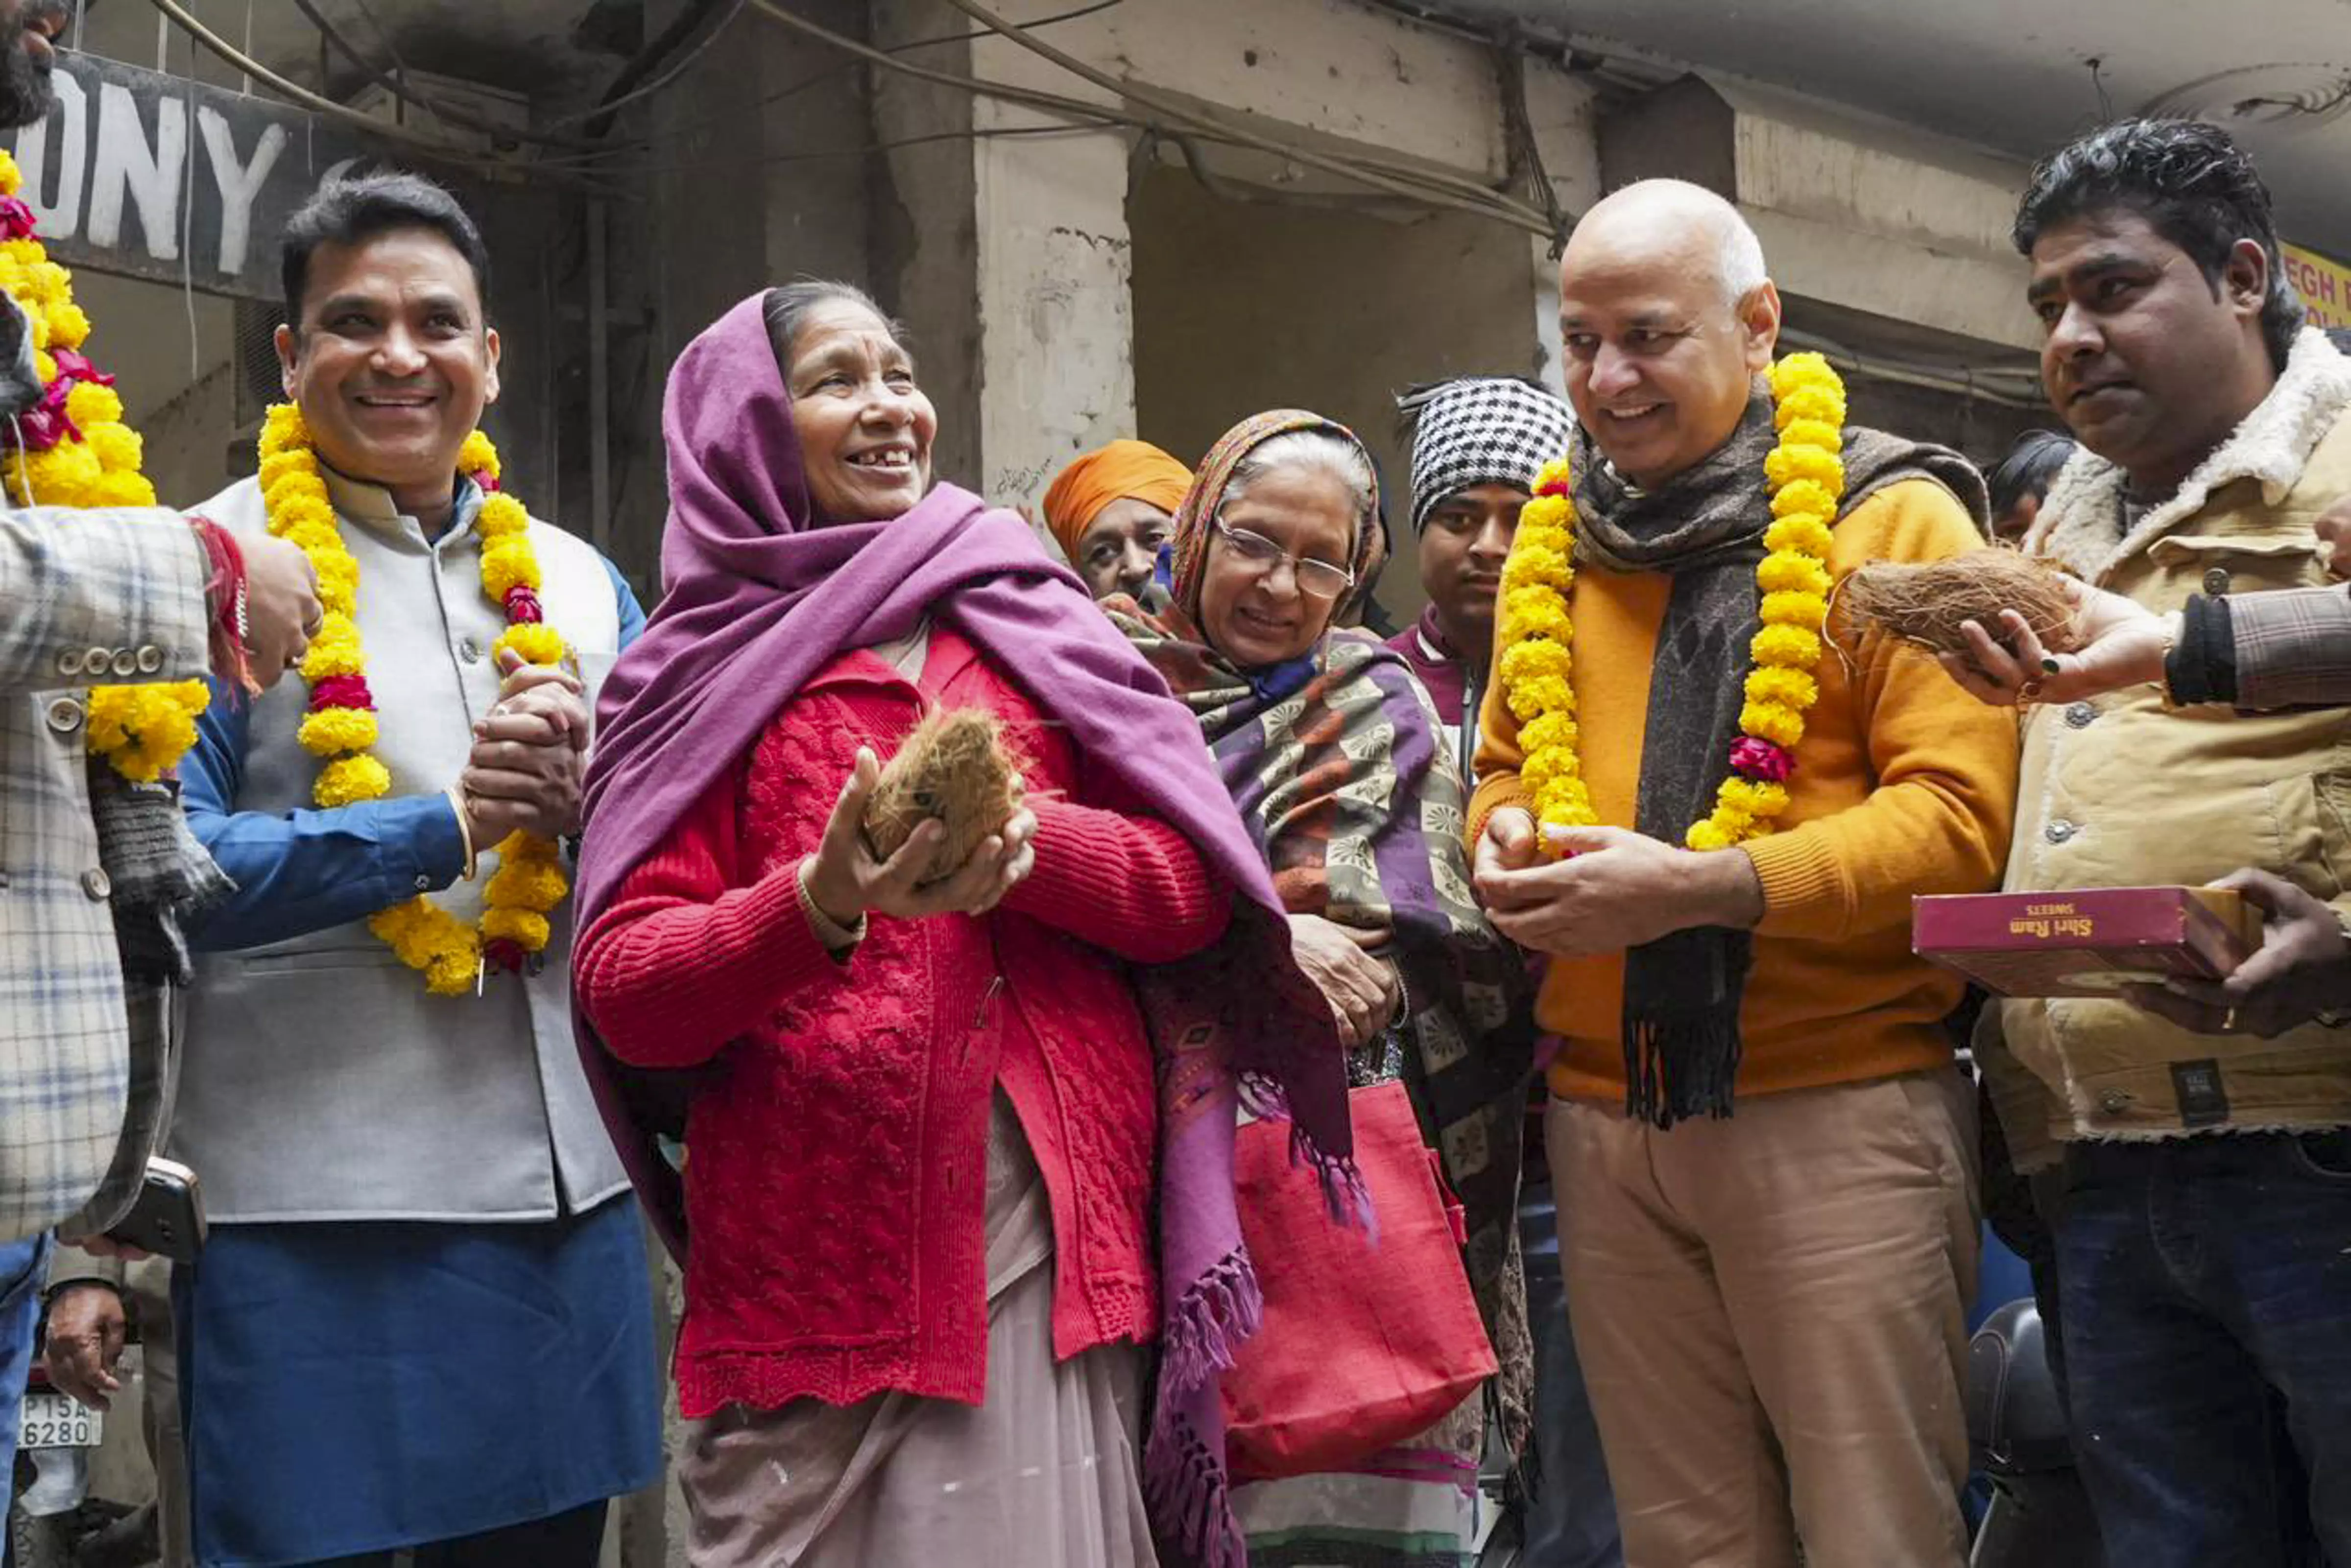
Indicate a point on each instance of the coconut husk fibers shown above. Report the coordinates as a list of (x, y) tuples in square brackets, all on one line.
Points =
[(956, 766), (1925, 603)]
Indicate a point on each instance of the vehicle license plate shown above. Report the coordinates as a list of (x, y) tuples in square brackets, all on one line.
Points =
[(55, 1420)]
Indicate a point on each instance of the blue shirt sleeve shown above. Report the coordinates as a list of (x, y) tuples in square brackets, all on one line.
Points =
[(632, 615), (304, 870)]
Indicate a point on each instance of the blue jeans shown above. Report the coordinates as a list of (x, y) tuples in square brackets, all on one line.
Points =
[(2207, 1284), (1571, 1520), (24, 1273)]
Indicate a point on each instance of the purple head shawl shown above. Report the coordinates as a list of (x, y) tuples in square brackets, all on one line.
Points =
[(757, 599)]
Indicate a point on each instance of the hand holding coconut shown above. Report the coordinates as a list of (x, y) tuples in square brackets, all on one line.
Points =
[(2011, 628), (2115, 642), (845, 879)]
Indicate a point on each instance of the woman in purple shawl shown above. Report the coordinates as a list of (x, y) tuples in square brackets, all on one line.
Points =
[(1333, 757), (951, 1153)]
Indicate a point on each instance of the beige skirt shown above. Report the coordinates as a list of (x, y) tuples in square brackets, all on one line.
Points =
[(1045, 1474)]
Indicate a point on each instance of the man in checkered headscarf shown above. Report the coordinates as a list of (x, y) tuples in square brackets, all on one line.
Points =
[(1477, 444)]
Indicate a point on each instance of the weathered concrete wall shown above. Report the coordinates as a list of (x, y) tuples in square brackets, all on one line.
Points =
[(1861, 213), (1244, 307), (1059, 302)]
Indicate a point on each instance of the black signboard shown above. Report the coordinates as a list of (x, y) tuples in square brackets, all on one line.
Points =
[(161, 177)]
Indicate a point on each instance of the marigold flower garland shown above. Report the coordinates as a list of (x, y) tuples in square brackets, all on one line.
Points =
[(340, 726), (73, 449), (1806, 476)]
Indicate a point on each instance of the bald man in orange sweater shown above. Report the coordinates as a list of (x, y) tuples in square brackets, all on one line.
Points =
[(1763, 1150)]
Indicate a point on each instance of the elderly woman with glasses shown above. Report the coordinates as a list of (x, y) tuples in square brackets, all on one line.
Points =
[(1334, 755)]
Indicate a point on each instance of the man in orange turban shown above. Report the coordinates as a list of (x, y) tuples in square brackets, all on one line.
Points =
[(1111, 510)]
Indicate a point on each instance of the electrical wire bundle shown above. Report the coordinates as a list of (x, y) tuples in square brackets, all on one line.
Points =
[(577, 147)]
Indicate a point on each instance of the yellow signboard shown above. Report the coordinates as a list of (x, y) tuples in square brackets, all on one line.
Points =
[(2324, 286)]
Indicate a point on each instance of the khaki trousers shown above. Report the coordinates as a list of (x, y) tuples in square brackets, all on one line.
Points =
[(1769, 1312)]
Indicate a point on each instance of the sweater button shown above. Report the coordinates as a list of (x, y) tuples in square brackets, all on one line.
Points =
[(2079, 716), (2216, 580), (2058, 831)]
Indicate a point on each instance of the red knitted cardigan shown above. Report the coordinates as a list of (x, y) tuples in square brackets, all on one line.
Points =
[(836, 1185)]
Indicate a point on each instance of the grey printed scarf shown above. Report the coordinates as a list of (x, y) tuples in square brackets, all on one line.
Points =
[(159, 875), (1705, 529)]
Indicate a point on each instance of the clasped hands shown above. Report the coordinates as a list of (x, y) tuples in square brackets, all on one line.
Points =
[(1616, 890), (1612, 890), (530, 751)]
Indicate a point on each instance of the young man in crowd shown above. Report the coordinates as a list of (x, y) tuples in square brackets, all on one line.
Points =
[(2204, 1231), (2022, 479), (1769, 1306), (1478, 442), (423, 1319)]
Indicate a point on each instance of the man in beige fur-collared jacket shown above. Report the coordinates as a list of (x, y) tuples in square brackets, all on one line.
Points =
[(2206, 1280)]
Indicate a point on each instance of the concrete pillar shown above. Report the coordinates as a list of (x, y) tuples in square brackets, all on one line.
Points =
[(925, 223)]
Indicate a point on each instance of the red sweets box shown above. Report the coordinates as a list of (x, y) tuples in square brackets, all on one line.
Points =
[(2086, 942)]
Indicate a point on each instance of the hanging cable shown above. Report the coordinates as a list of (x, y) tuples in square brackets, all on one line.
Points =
[(818, 79), (1108, 114), (394, 82), (1492, 207), (976, 33), (678, 45), (1967, 383), (1420, 186), (237, 59), (1189, 119), (1525, 156)]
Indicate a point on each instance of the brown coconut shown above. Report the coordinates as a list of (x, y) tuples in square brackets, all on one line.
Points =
[(956, 766), (1925, 604)]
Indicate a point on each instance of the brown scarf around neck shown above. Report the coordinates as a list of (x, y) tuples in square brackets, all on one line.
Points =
[(1704, 529)]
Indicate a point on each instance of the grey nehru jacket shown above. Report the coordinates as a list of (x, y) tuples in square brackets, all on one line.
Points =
[(320, 1081)]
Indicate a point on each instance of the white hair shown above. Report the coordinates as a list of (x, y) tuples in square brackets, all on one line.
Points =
[(1317, 451), (1738, 253), (1743, 271)]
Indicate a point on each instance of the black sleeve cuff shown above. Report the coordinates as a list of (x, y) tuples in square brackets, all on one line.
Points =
[(2203, 664)]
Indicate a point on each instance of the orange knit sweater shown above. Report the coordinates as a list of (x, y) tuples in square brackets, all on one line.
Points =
[(1904, 785)]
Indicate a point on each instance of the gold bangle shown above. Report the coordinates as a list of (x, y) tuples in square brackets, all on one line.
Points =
[(464, 825), (2174, 623), (838, 939)]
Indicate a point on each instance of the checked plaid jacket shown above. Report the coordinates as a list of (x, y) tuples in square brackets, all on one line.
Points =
[(117, 594), (2293, 647)]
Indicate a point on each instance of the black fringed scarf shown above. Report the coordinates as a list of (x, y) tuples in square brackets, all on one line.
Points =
[(1705, 529)]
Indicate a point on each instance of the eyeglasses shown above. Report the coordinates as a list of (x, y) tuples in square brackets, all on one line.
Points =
[(1315, 579)]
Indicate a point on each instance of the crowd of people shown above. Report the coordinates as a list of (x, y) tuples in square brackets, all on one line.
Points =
[(521, 901)]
